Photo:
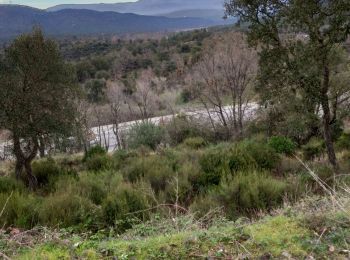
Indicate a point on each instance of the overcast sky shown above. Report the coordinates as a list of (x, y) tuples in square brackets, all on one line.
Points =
[(49, 3)]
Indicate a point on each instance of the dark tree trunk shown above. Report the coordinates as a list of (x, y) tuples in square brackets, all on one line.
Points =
[(32, 180), (41, 147), (327, 132), (23, 161)]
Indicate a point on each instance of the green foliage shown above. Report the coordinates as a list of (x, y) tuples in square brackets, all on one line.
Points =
[(35, 76), (67, 210), (264, 156), (248, 192), (156, 170), (282, 145), (145, 134), (313, 149), (195, 142), (344, 142), (8, 184), (181, 128), (324, 172), (46, 171), (224, 160), (96, 90), (21, 210), (94, 151), (99, 162), (123, 207)]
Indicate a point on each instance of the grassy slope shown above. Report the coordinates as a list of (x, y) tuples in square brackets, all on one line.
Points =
[(281, 236)]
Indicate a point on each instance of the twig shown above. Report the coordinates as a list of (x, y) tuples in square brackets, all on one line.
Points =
[(4, 207), (319, 239)]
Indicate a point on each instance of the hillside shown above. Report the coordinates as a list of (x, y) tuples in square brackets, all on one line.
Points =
[(15, 20), (147, 7)]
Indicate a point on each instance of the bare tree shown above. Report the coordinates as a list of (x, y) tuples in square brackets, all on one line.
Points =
[(144, 97), (221, 82), (117, 102)]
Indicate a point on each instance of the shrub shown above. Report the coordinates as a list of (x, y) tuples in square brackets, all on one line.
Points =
[(282, 145), (195, 142), (92, 186), (121, 158), (223, 160), (46, 171), (122, 207), (313, 149), (8, 184), (181, 128), (264, 156), (215, 164), (66, 210), (343, 142), (94, 151), (157, 170), (248, 192), (145, 134), (98, 162), (324, 172), (21, 210)]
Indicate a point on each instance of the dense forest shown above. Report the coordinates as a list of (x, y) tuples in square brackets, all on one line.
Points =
[(229, 143)]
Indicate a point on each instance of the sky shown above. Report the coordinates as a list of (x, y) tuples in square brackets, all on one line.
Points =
[(48, 3)]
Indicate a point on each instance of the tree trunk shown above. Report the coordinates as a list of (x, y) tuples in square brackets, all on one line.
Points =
[(32, 180), (25, 162), (327, 132), (41, 147)]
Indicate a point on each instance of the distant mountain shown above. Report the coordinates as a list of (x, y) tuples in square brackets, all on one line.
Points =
[(19, 19), (198, 13), (149, 7)]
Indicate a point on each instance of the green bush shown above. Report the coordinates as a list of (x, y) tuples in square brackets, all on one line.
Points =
[(181, 128), (66, 209), (121, 158), (249, 192), (21, 210), (313, 149), (8, 184), (264, 156), (224, 160), (343, 142), (282, 145), (214, 164), (123, 206), (98, 162), (46, 171), (94, 151), (155, 169), (195, 142), (145, 134)]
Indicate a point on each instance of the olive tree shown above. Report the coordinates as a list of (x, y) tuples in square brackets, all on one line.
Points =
[(36, 97), (297, 40)]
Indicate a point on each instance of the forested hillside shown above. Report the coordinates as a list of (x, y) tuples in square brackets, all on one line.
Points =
[(248, 156)]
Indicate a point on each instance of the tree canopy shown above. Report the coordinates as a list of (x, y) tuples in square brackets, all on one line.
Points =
[(36, 97)]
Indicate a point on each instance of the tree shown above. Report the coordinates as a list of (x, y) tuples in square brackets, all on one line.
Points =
[(297, 41), (117, 101), (222, 79), (36, 97), (95, 89)]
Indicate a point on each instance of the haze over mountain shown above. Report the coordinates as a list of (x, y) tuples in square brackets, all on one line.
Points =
[(15, 20), (189, 8)]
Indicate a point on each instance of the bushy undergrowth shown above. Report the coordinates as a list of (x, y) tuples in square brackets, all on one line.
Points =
[(247, 192), (145, 134), (102, 191)]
